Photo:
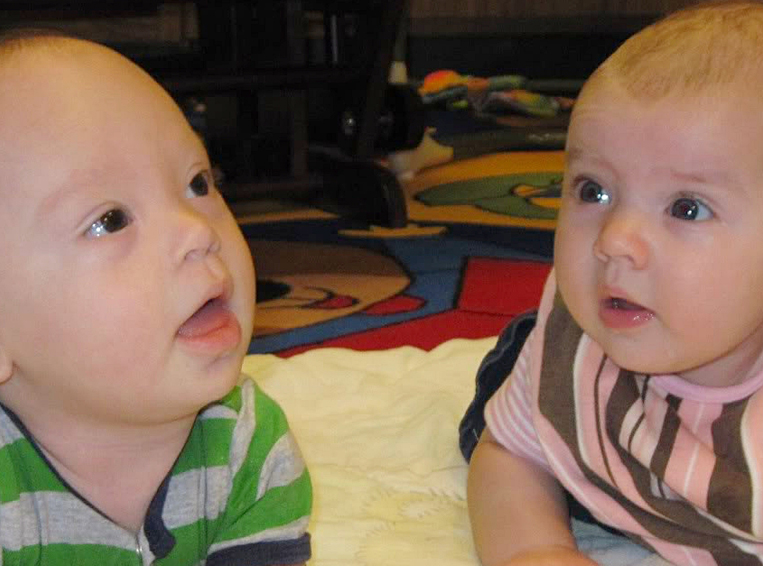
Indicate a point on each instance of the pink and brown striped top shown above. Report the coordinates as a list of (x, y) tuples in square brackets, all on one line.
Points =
[(677, 467)]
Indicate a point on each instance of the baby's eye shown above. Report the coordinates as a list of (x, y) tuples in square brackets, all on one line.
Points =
[(110, 222), (199, 185), (687, 208), (593, 192)]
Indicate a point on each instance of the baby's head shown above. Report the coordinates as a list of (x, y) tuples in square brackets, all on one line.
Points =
[(659, 247), (127, 293)]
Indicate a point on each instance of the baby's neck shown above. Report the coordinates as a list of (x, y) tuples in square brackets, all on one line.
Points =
[(742, 364), (118, 474)]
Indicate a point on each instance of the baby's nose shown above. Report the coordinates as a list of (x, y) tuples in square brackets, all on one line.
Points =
[(623, 236), (198, 236)]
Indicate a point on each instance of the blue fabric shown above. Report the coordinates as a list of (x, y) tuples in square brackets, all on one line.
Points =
[(494, 369)]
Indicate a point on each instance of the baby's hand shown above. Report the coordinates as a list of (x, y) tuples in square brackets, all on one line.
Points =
[(551, 556)]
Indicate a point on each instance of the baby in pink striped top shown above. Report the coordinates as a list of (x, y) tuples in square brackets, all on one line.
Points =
[(638, 391)]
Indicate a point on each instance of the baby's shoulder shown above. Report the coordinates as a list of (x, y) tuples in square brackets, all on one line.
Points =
[(245, 420), (246, 400)]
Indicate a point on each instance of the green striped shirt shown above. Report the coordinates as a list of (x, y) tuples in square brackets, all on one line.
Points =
[(239, 493)]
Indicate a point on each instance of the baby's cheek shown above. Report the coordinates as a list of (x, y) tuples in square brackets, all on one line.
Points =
[(239, 260)]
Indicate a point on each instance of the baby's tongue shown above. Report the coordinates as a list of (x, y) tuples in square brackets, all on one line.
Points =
[(209, 317)]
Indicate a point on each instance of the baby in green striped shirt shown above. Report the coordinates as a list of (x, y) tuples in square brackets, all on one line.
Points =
[(127, 435)]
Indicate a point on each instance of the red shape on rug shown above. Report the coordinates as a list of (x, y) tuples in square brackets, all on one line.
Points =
[(495, 285), (493, 291), (394, 305), (334, 302), (424, 333)]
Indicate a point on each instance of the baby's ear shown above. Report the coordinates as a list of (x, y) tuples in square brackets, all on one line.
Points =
[(6, 366)]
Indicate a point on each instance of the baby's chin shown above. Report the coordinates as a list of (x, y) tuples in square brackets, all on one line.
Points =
[(222, 374), (634, 362), (636, 358)]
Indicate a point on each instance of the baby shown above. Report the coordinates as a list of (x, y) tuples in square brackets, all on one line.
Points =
[(126, 306), (639, 389)]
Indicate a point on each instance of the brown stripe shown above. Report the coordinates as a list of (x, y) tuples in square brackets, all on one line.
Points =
[(556, 398), (684, 525), (599, 427), (667, 440), (730, 489)]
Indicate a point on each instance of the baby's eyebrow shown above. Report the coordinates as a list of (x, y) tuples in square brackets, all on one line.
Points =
[(705, 177), (53, 201), (200, 139), (574, 152), (577, 153), (73, 184)]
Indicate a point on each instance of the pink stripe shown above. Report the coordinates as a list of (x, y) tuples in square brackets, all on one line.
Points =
[(691, 464), (587, 362), (508, 417), (647, 436)]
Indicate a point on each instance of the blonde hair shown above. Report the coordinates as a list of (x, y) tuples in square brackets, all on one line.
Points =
[(28, 40), (690, 51)]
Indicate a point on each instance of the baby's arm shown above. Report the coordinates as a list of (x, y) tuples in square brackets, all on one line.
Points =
[(518, 511)]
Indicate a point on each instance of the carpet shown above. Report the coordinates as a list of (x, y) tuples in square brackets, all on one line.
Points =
[(474, 254)]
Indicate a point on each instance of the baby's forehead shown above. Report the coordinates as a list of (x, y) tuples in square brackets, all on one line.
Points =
[(38, 94), (42, 70), (62, 76), (79, 101), (62, 92)]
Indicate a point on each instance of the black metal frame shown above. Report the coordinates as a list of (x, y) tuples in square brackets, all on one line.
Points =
[(250, 47)]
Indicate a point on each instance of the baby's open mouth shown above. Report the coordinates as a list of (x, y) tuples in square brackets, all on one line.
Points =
[(209, 317), (622, 304), (618, 313), (212, 330)]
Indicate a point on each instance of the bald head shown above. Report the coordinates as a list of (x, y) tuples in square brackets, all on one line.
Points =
[(19, 44), (44, 74), (74, 109), (29, 50)]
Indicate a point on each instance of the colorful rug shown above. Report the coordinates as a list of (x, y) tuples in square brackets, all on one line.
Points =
[(474, 254)]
